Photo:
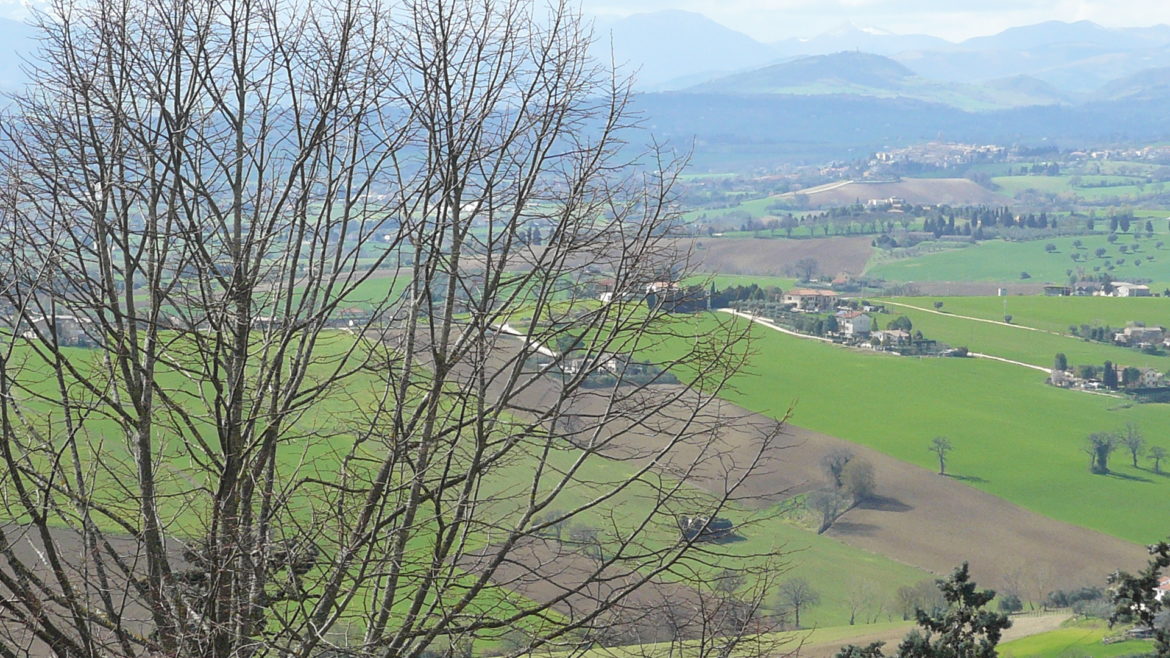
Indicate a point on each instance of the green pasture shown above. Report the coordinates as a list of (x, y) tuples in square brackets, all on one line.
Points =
[(1019, 343), (502, 494), (1056, 313), (1013, 436), (1077, 638), (754, 207), (1093, 189), (1003, 261)]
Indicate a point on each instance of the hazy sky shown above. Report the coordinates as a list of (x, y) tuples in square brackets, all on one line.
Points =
[(771, 20)]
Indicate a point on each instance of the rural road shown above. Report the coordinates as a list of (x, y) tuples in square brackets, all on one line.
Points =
[(775, 327), (974, 319)]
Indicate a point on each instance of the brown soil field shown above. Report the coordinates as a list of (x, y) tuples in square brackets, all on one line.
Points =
[(777, 257), (932, 191), (546, 571), (919, 518)]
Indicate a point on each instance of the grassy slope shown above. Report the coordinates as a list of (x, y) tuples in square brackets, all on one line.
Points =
[(1011, 185), (1077, 638), (1057, 313), (989, 410), (998, 260), (819, 559), (1037, 348)]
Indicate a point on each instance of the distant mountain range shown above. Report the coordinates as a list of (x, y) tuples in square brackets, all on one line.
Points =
[(852, 91), (864, 74), (676, 50)]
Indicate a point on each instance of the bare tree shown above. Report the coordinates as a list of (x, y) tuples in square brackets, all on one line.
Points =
[(1157, 454), (826, 505), (796, 594), (861, 597), (834, 463), (940, 446), (1133, 441), (806, 268), (268, 390), (1099, 445), (858, 481)]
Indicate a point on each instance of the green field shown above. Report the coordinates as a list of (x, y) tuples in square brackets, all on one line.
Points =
[(1014, 436), (1078, 638), (1021, 344), (756, 208), (1092, 188), (1056, 313), (502, 493), (1002, 261)]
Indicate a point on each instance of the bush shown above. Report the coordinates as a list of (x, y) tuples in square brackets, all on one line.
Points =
[(1010, 603), (1065, 598)]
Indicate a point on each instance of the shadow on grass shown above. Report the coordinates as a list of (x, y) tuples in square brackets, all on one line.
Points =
[(1124, 476), (852, 529), (966, 478), (732, 538)]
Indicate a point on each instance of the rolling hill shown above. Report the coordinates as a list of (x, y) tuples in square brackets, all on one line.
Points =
[(865, 74)]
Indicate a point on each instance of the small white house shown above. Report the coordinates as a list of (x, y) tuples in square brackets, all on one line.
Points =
[(854, 323)]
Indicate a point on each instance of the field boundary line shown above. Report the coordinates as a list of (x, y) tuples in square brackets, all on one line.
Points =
[(975, 319)]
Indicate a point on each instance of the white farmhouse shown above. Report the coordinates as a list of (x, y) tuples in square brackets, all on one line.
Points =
[(854, 323)]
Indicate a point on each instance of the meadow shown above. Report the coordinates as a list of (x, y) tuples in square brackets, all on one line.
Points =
[(1076, 638), (1020, 343), (1091, 189), (763, 532), (1055, 313), (1013, 436), (1003, 261)]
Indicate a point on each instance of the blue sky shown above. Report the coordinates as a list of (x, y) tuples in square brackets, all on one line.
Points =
[(771, 20)]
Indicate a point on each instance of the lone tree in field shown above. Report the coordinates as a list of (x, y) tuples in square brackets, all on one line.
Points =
[(807, 268), (1099, 445), (796, 594), (257, 402), (834, 463), (826, 504), (940, 446), (858, 481), (1133, 441), (1157, 454)]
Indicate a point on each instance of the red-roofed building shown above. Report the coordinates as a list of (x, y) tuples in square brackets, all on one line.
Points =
[(807, 299)]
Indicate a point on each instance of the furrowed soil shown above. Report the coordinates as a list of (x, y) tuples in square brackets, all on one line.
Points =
[(918, 517), (778, 256)]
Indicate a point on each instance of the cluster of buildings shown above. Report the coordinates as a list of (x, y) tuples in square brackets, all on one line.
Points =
[(1098, 289), (943, 154)]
